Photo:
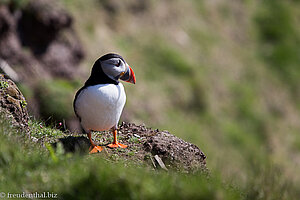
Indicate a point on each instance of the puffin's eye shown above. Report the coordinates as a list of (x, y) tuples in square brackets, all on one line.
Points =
[(119, 63)]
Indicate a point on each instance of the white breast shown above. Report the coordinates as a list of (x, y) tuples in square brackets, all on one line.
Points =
[(99, 107)]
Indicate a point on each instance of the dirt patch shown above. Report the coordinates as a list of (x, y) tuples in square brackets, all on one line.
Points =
[(144, 146), (175, 151)]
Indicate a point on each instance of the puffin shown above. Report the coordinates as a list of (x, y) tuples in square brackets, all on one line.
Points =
[(100, 102)]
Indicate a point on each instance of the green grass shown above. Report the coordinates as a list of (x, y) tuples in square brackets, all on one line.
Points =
[(280, 39), (39, 129), (56, 98), (134, 140), (15, 3), (73, 176), (166, 59)]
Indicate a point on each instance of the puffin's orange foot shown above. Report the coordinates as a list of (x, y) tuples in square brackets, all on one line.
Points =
[(95, 149), (117, 144)]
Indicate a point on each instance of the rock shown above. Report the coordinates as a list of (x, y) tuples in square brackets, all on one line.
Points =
[(175, 152), (160, 162), (38, 42), (13, 103), (40, 23), (47, 30), (8, 71)]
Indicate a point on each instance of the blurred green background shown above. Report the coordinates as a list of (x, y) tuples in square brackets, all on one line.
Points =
[(224, 75)]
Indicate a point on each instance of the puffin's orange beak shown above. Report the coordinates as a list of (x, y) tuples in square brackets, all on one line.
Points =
[(128, 76), (131, 76)]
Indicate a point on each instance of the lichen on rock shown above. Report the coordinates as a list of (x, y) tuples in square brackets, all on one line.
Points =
[(13, 103)]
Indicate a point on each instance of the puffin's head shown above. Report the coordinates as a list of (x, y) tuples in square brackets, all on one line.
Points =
[(115, 67)]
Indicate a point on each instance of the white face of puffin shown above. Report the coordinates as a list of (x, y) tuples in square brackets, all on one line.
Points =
[(116, 68), (113, 67)]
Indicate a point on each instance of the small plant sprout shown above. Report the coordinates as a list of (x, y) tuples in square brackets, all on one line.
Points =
[(131, 153), (134, 140), (3, 84), (23, 103)]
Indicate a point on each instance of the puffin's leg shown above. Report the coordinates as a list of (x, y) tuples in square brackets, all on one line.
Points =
[(115, 142), (93, 148)]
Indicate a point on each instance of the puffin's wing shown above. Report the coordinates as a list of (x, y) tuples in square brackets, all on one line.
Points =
[(74, 102)]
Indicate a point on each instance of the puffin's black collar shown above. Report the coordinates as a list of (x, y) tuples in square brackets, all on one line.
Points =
[(98, 76)]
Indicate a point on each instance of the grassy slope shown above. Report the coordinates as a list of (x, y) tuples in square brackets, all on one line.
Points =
[(222, 75), (27, 167), (209, 73)]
